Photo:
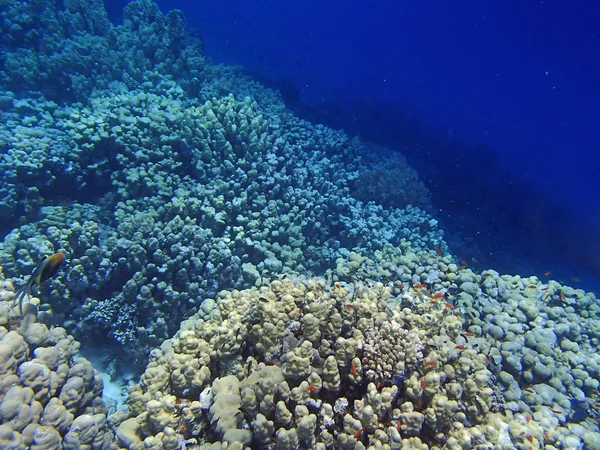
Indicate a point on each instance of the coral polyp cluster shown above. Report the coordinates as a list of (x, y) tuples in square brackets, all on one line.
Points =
[(305, 364)]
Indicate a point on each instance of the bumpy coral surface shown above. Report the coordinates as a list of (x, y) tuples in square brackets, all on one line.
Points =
[(50, 398), (165, 178), (284, 366)]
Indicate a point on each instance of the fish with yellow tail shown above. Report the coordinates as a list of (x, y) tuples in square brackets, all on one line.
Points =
[(47, 268)]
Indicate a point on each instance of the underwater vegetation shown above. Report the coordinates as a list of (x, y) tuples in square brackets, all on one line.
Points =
[(277, 283)]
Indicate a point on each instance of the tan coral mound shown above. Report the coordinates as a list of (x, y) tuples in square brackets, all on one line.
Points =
[(49, 397), (286, 366)]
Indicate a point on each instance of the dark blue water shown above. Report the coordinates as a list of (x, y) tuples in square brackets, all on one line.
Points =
[(495, 103)]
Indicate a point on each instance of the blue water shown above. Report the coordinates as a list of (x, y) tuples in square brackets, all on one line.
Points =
[(495, 103)]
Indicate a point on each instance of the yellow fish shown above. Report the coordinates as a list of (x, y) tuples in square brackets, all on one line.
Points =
[(47, 268)]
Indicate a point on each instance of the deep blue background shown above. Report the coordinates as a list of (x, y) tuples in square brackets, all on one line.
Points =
[(466, 89)]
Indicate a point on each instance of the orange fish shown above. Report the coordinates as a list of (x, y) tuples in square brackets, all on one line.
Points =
[(419, 286), (423, 384), (438, 250), (547, 274), (353, 368), (438, 295), (460, 347), (312, 388), (358, 433), (575, 279), (430, 363)]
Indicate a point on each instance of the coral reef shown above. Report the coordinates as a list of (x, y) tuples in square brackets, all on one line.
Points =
[(288, 365), (66, 50), (49, 396), (193, 190), (386, 178), (195, 211)]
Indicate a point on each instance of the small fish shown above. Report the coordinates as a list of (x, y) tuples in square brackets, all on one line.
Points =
[(353, 368), (430, 363), (423, 384), (575, 279), (438, 295), (312, 388), (485, 275), (547, 274), (47, 268), (358, 433), (438, 250), (419, 286)]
